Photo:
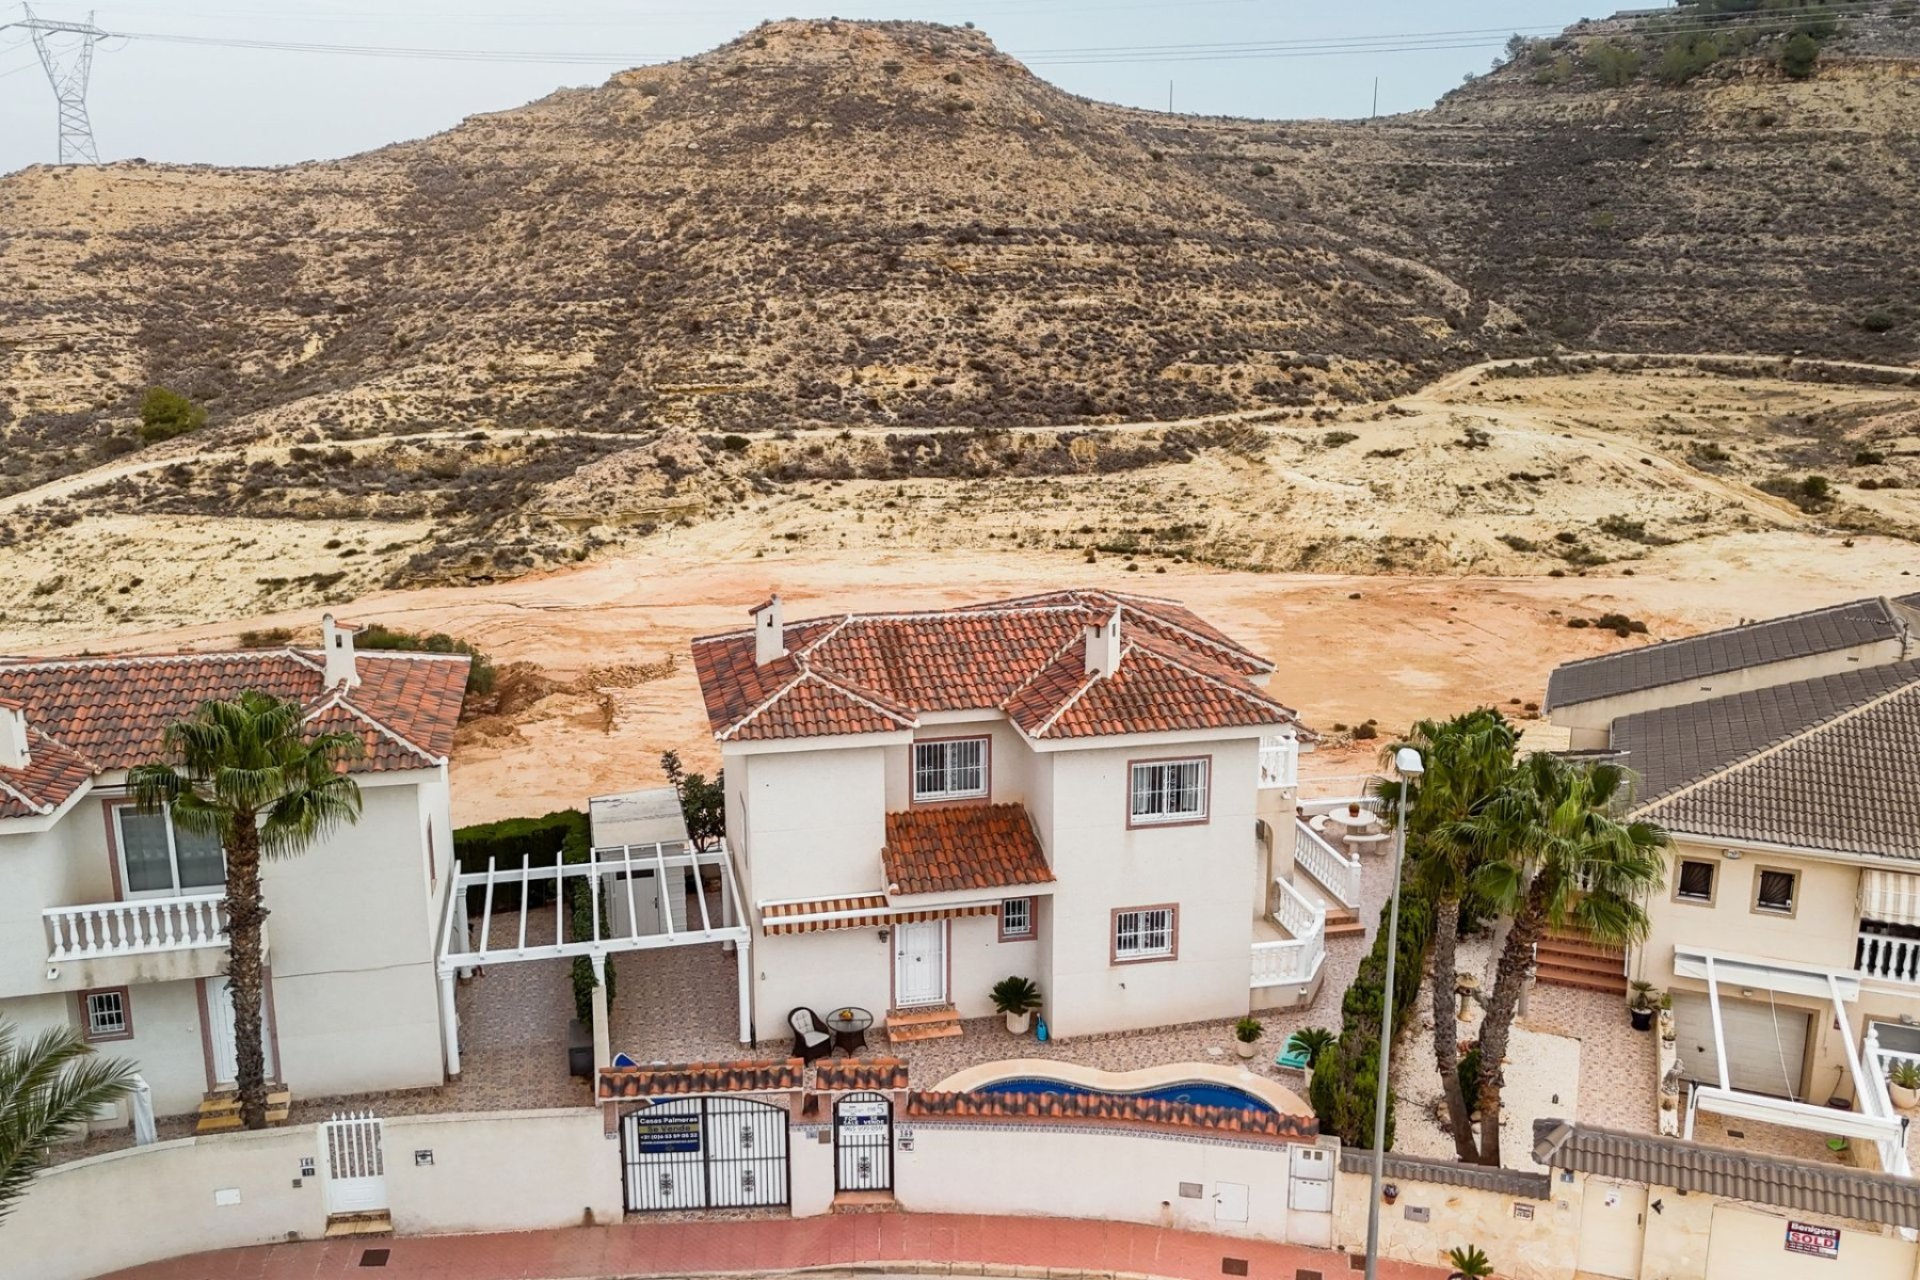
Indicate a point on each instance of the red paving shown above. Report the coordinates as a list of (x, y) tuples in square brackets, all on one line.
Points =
[(772, 1245)]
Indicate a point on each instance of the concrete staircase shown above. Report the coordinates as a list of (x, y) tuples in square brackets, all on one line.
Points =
[(220, 1112), (1342, 922), (923, 1022), (377, 1223), (1570, 958)]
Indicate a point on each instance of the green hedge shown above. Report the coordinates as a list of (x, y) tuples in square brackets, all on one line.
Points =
[(561, 836), (1347, 1074)]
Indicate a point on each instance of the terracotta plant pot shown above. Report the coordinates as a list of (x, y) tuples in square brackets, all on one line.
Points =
[(1353, 811)]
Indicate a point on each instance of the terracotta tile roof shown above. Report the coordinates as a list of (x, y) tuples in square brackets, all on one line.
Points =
[(111, 712), (954, 847), (701, 1077), (1113, 1108), (52, 774), (844, 1075), (869, 673)]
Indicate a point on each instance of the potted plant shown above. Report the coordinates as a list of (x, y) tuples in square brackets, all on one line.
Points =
[(1469, 1263), (1903, 1082), (1245, 1032), (1017, 998), (1642, 1006), (1353, 808)]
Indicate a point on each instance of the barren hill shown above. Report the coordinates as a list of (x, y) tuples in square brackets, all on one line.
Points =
[(496, 348)]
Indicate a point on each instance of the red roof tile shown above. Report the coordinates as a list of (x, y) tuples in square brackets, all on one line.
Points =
[(701, 1077), (974, 846), (875, 673), (52, 774), (1122, 1108), (111, 712), (845, 1075)]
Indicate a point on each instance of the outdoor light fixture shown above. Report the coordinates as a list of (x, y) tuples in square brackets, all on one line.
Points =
[(1408, 765)]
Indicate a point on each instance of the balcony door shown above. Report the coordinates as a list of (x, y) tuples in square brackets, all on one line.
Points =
[(159, 860)]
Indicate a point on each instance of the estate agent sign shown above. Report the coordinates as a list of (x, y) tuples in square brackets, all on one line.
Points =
[(1815, 1242)]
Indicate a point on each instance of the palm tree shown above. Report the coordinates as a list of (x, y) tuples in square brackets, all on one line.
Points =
[(245, 771), (1558, 857), (1468, 759), (47, 1086)]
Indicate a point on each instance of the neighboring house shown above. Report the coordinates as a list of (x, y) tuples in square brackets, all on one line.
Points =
[(1064, 787), (1587, 697), (1788, 929), (111, 924)]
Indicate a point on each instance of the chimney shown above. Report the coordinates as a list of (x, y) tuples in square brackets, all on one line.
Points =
[(769, 632), (337, 640), (1103, 646), (13, 735)]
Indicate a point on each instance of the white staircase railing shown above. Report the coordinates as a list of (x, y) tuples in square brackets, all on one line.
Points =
[(1297, 959), (1878, 1101), (140, 926), (1332, 870)]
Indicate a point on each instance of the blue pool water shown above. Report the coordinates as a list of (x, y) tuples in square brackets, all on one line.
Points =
[(1194, 1093)]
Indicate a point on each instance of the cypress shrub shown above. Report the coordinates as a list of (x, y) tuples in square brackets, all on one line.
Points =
[(1345, 1078)]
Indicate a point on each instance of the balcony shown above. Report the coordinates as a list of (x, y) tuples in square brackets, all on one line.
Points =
[(141, 940), (1886, 958)]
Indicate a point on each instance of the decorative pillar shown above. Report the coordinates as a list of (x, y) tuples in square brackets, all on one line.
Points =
[(602, 1032), (743, 965), (449, 1025)]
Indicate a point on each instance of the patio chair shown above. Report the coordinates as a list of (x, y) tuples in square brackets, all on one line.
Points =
[(810, 1038)]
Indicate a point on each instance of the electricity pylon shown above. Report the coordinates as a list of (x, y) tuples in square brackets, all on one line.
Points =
[(67, 67)]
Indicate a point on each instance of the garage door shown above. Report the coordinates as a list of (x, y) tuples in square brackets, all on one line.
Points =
[(1766, 1043)]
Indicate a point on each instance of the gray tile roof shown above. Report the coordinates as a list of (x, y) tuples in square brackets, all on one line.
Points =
[(1754, 644), (1673, 746), (1834, 1190), (1831, 765), (1450, 1173)]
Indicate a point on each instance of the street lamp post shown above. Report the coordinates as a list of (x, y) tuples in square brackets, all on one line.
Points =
[(1406, 764)]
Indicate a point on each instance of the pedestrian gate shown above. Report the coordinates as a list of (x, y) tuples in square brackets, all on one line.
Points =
[(705, 1153), (356, 1163), (863, 1143)]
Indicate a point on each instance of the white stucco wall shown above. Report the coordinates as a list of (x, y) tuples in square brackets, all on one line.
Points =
[(512, 1171), (980, 959), (1102, 865), (1125, 1176), (818, 820)]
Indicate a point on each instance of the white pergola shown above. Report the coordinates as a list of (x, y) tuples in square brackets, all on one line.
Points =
[(1876, 1121), (636, 887)]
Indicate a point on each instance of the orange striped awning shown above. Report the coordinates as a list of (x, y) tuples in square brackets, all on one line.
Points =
[(861, 911)]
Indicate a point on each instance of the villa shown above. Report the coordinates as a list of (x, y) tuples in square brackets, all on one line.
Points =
[(1083, 788), (112, 922), (1780, 755)]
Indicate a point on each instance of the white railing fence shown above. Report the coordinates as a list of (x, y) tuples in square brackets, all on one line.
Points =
[(1878, 1101), (1319, 795), (1332, 870), (1279, 762), (1296, 913), (1890, 959), (137, 927), (1299, 958)]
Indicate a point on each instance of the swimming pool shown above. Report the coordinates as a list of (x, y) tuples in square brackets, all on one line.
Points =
[(1193, 1092)]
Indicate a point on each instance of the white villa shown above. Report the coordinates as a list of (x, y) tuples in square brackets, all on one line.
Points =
[(1083, 788), (1781, 755), (111, 922)]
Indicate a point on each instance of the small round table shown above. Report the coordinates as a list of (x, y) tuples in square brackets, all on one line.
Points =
[(1354, 821), (849, 1027)]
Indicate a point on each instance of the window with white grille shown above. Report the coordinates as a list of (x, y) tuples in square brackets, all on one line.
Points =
[(1016, 918), (955, 769), (108, 1016), (1169, 791), (1146, 933)]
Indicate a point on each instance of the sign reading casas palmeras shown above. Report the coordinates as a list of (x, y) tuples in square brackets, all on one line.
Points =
[(1815, 1242)]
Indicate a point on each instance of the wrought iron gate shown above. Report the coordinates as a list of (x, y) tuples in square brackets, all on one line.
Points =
[(863, 1143), (705, 1153), (356, 1163)]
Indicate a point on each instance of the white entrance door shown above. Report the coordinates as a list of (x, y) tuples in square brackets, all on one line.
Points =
[(355, 1144), (920, 963), (1612, 1228), (226, 1056)]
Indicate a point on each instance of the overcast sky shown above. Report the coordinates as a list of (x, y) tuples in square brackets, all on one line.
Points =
[(200, 103)]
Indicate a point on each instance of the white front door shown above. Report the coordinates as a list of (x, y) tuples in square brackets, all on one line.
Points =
[(226, 1057), (920, 963)]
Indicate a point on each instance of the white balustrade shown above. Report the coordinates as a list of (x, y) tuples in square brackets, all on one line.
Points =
[(1889, 959), (1279, 762), (1877, 1100), (1334, 871), (140, 926), (1296, 913), (1296, 959)]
